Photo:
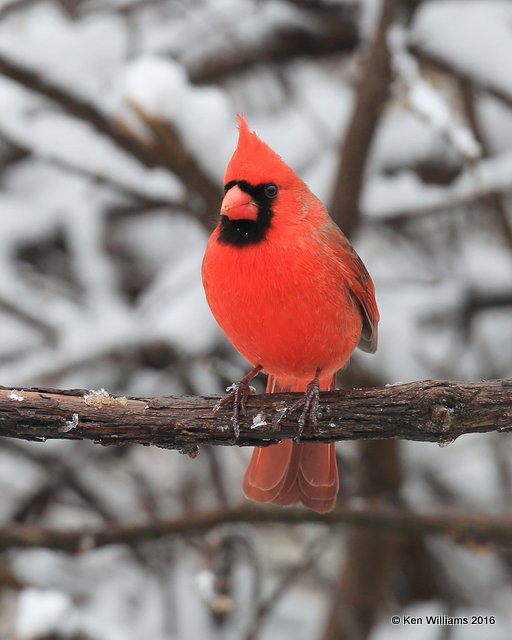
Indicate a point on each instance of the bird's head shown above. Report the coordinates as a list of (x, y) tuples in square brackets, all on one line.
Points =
[(260, 191)]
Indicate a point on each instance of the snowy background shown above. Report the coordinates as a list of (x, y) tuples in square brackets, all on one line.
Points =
[(117, 119)]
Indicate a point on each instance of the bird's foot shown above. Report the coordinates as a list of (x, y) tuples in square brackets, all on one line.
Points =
[(310, 403), (237, 396)]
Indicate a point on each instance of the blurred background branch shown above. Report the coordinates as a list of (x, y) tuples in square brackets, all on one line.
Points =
[(462, 528), (118, 120)]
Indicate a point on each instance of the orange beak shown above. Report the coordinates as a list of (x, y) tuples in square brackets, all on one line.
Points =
[(238, 205)]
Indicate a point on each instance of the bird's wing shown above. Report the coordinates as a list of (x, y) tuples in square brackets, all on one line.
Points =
[(361, 287)]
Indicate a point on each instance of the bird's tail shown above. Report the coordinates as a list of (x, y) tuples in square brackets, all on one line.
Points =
[(287, 473)]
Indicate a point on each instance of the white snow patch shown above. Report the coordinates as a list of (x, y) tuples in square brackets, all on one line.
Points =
[(475, 37), (430, 105), (258, 421), (45, 39), (70, 424), (496, 121), (174, 307), (406, 194), (205, 583), (154, 88), (94, 395), (40, 612)]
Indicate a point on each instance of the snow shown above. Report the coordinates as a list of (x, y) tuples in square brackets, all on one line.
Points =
[(429, 102), (496, 119), (258, 421), (192, 333), (41, 612), (55, 137), (406, 194), (155, 86), (474, 38), (429, 105), (424, 142), (100, 289), (208, 29), (66, 49), (205, 581), (70, 424), (101, 398), (159, 88)]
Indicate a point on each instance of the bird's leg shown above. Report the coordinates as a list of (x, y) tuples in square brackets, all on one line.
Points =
[(310, 404), (238, 394)]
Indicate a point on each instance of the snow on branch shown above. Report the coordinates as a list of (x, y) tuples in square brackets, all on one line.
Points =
[(429, 411), (321, 30), (478, 82)]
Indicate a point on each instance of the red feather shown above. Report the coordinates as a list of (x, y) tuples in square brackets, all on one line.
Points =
[(288, 473)]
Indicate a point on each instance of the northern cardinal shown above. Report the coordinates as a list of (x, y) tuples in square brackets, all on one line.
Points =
[(294, 299)]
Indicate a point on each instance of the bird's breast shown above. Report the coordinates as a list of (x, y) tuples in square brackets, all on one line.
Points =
[(283, 306)]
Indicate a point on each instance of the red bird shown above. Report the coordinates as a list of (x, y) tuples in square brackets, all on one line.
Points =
[(295, 300)]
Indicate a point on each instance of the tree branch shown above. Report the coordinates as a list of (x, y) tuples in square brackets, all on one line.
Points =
[(478, 83), (471, 305), (170, 152), (370, 557), (460, 527), (139, 196), (328, 30), (76, 106), (429, 411), (355, 149)]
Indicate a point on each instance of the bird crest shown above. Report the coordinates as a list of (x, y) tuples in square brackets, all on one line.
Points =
[(254, 161)]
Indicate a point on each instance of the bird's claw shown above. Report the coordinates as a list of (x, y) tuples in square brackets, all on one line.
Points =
[(310, 403), (237, 396)]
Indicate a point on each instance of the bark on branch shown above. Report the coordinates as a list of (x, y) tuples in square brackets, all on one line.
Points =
[(429, 411)]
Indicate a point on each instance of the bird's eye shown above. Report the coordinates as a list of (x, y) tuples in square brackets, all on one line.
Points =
[(271, 190)]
